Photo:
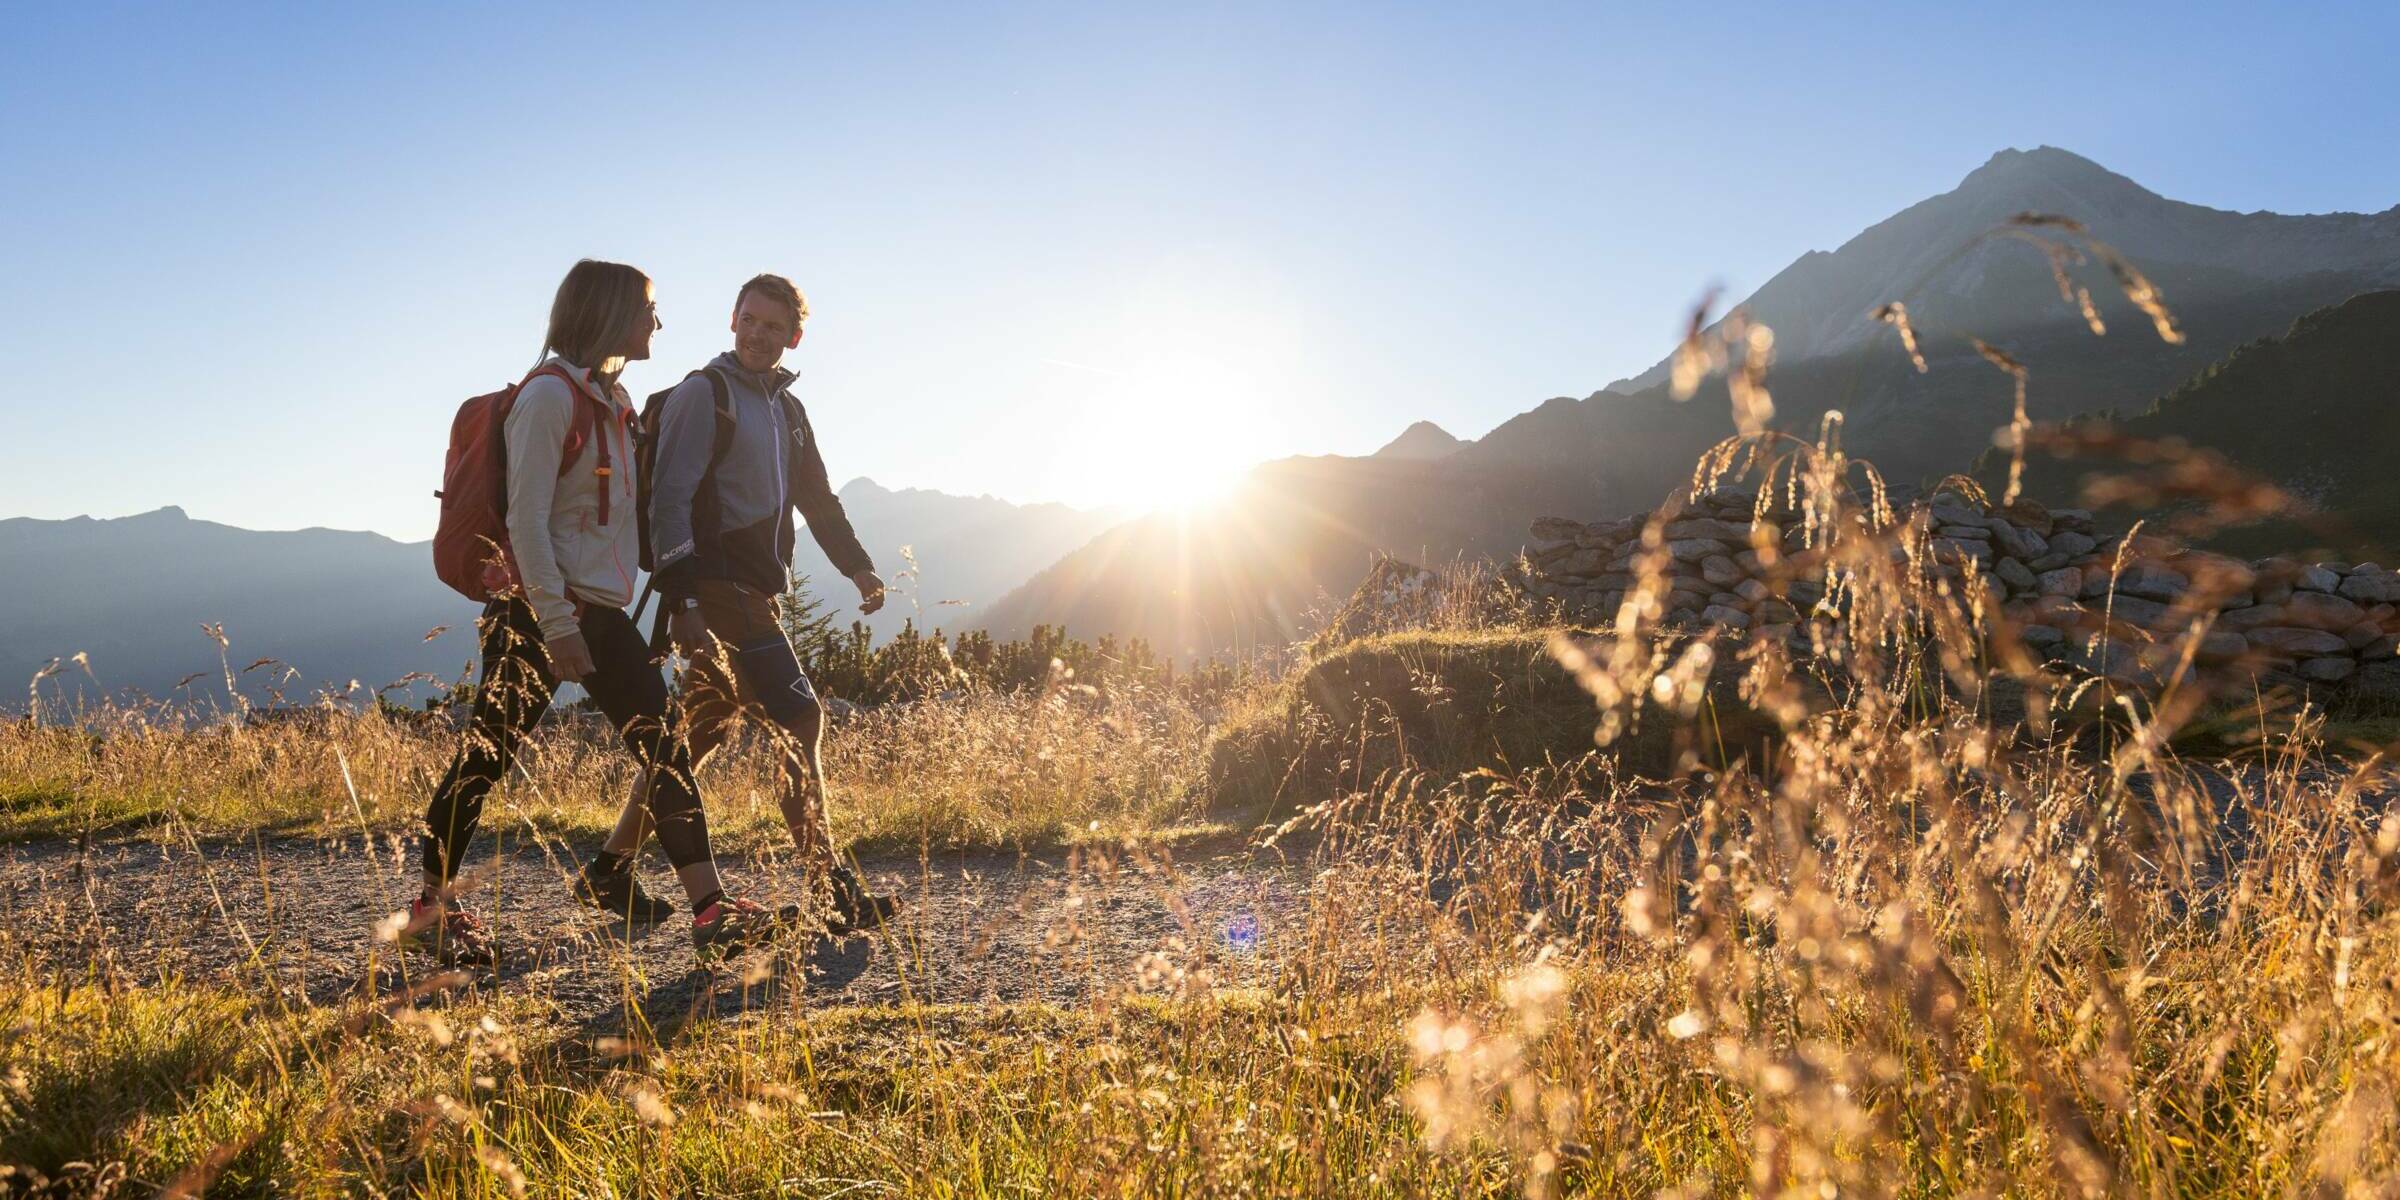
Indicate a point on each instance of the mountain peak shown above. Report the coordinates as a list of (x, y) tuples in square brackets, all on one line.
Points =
[(1423, 441), (2046, 168), (2040, 158)]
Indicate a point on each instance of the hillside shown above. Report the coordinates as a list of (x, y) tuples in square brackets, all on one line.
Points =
[(133, 593), (1302, 532), (969, 550), (2315, 411), (1254, 570)]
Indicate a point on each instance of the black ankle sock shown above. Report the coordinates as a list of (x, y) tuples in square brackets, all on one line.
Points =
[(609, 862)]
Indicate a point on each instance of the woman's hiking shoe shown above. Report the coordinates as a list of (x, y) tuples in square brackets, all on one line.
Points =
[(854, 907), (619, 894), (727, 926), (456, 938)]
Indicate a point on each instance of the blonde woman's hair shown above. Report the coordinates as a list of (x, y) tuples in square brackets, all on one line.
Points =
[(597, 305)]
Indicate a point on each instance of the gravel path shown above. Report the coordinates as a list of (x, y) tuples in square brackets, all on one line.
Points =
[(299, 916)]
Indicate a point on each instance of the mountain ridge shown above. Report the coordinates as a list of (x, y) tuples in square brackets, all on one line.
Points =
[(1819, 303), (2268, 408), (133, 593), (1421, 440), (2230, 278), (944, 556)]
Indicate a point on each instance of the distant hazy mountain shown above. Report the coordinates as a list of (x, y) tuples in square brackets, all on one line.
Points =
[(133, 593), (1303, 533), (2315, 411), (968, 551), (1252, 571), (1423, 440)]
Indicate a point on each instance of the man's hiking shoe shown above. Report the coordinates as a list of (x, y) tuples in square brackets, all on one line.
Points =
[(854, 907), (730, 926), (619, 894), (456, 938)]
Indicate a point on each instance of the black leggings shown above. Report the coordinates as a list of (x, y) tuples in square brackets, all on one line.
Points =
[(513, 694)]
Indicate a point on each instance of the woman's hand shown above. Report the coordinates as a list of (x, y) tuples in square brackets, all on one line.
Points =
[(570, 659), (690, 631)]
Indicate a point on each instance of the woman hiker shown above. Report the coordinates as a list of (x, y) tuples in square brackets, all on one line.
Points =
[(573, 540)]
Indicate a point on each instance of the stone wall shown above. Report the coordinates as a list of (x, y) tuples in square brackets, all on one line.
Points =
[(2326, 626)]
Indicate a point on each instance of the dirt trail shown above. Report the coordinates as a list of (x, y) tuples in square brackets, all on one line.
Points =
[(299, 915)]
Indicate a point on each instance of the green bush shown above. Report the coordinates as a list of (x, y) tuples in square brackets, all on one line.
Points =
[(1444, 703)]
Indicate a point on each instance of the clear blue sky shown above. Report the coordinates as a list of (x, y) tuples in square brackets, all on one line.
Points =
[(255, 256)]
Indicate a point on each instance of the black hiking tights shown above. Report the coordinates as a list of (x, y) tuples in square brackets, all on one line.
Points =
[(513, 694)]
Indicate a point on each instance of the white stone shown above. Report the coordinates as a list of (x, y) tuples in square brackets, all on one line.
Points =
[(2328, 670), (1729, 617), (2378, 588), (1721, 571), (2220, 646), (2152, 582), (2072, 544), (2319, 610), (2295, 642)]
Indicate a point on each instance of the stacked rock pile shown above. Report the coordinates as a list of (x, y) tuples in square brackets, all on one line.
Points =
[(2075, 596)]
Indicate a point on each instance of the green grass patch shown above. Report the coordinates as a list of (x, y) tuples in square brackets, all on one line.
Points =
[(983, 770), (1444, 703)]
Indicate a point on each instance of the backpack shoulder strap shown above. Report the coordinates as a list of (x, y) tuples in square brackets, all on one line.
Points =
[(582, 424), (722, 445), (795, 417), (579, 414)]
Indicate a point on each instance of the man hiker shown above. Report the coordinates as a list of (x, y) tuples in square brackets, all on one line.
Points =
[(734, 456)]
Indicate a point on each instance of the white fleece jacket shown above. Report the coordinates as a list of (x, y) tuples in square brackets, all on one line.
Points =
[(554, 525)]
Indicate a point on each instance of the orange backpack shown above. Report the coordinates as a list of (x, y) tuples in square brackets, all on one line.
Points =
[(470, 543)]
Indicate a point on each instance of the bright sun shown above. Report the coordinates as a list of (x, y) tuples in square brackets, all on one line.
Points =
[(1192, 477), (1174, 435)]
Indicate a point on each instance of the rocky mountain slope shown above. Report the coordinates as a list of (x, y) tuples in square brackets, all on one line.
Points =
[(968, 551), (1934, 256), (2315, 411)]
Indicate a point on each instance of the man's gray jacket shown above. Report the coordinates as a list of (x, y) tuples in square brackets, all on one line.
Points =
[(737, 523)]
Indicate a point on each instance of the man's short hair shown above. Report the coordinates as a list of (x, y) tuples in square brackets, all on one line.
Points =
[(776, 287)]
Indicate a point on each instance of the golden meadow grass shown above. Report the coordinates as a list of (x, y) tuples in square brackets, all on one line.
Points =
[(1961, 926), (980, 770)]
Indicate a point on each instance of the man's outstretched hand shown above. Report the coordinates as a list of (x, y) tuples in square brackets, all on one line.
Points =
[(870, 591)]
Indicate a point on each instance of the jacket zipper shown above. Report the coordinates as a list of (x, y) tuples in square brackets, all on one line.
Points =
[(777, 417)]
